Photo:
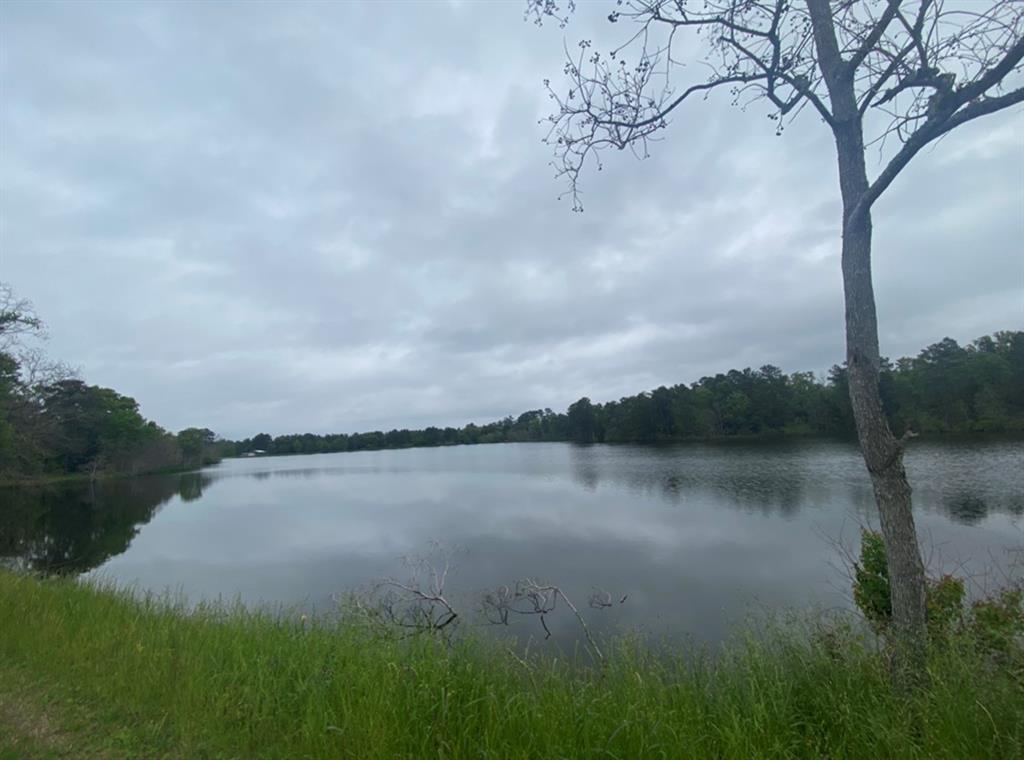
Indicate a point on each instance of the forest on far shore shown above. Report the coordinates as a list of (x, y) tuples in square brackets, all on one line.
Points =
[(946, 388), (53, 424)]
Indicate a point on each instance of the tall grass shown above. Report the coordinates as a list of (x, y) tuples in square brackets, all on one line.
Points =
[(227, 682)]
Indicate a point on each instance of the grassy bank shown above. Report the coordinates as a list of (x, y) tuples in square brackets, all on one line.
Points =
[(120, 677)]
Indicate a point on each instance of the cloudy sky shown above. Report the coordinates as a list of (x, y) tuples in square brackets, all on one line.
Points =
[(336, 217)]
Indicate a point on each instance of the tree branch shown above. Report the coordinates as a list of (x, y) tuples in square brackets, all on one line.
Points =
[(829, 59), (992, 76), (931, 130), (663, 112), (877, 85), (773, 72), (873, 36)]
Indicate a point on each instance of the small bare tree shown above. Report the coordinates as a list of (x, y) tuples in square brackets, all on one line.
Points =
[(421, 604), (17, 318), (531, 597), (902, 72), (418, 604), (20, 325)]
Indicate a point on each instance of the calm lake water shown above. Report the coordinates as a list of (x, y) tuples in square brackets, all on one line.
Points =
[(697, 537)]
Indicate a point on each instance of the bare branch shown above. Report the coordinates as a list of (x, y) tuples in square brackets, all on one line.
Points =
[(926, 134), (908, 63), (757, 48), (17, 318), (992, 76), (421, 604), (874, 36), (528, 597)]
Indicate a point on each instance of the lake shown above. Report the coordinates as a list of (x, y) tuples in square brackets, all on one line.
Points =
[(696, 537)]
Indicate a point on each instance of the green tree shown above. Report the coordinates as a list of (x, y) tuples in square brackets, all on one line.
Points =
[(95, 427), (197, 446), (262, 442), (582, 421)]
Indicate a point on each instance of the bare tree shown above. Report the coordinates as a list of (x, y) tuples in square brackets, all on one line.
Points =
[(421, 604), (39, 370), (418, 604), (901, 73), (17, 318), (531, 597), (19, 326)]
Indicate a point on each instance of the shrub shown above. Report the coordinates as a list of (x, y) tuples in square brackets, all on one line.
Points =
[(995, 623), (945, 605), (871, 581)]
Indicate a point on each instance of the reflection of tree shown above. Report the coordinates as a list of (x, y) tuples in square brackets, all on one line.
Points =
[(191, 485), (972, 506), (584, 467), (967, 481), (966, 508), (75, 527), (760, 477), (965, 484)]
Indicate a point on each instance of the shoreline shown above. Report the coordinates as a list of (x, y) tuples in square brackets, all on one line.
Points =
[(765, 438)]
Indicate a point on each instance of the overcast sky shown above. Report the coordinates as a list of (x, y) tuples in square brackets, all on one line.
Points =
[(337, 217)]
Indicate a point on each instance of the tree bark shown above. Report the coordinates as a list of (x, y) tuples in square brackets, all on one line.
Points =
[(883, 453)]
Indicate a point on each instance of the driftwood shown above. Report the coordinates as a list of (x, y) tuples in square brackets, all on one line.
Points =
[(421, 604)]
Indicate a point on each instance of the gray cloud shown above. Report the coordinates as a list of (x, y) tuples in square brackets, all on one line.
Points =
[(292, 217)]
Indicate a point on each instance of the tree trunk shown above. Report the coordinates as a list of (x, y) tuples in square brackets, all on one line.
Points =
[(883, 453)]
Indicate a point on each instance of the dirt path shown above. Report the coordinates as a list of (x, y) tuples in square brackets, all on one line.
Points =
[(28, 728), (44, 720)]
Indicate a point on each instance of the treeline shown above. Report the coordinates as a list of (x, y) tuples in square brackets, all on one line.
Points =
[(52, 423), (947, 388)]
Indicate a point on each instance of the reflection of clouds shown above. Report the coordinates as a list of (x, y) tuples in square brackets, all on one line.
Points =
[(691, 533)]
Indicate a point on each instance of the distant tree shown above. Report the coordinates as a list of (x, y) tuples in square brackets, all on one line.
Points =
[(94, 428), (18, 320), (262, 442), (916, 68), (661, 413), (8, 399), (197, 446), (582, 421)]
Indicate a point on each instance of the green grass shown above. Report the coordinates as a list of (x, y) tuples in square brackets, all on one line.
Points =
[(153, 680)]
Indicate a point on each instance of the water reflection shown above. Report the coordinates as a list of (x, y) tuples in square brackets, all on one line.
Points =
[(966, 482), (766, 479), (75, 527), (695, 535)]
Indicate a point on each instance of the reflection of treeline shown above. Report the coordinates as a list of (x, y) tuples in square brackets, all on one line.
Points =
[(946, 388), (786, 476), (52, 423), (74, 527)]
